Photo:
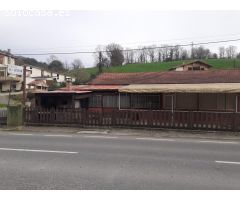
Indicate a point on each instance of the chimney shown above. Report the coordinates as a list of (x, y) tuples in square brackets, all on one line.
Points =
[(9, 51)]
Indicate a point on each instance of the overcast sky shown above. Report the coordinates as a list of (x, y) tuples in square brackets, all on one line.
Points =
[(84, 30)]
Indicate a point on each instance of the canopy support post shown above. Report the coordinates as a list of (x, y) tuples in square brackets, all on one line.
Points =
[(119, 99), (172, 107), (236, 108)]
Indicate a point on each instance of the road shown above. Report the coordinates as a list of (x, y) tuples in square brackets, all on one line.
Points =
[(85, 161)]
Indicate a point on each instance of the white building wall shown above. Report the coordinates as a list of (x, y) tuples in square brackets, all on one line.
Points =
[(35, 72), (179, 69), (61, 78), (47, 73)]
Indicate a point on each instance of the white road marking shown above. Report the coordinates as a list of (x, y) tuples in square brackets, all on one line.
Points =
[(58, 135), (157, 139), (227, 162), (21, 134), (93, 132), (38, 150), (97, 136), (217, 142)]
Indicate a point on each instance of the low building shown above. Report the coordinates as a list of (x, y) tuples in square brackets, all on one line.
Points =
[(190, 66), (191, 99), (10, 74), (37, 85)]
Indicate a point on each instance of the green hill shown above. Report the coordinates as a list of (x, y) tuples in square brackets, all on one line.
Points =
[(164, 66)]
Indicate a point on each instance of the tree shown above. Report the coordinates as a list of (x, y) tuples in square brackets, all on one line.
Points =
[(221, 51), (142, 54), (81, 75), (77, 64), (56, 65), (151, 53), (115, 54), (52, 58), (101, 59), (200, 52), (231, 51)]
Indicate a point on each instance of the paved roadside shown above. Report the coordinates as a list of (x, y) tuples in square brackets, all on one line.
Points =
[(166, 133)]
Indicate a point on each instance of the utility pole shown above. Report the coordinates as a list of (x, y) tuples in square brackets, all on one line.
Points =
[(24, 86), (100, 62)]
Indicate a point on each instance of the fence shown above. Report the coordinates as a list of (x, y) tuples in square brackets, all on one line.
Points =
[(3, 116), (131, 118)]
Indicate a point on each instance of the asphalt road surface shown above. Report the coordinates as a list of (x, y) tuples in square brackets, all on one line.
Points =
[(68, 161)]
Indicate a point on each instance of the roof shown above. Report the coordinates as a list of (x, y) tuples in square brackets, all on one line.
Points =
[(61, 92), (183, 88), (192, 62), (168, 77), (6, 53), (38, 83), (93, 87)]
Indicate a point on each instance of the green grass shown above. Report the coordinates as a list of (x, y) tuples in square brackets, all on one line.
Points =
[(164, 66), (2, 105)]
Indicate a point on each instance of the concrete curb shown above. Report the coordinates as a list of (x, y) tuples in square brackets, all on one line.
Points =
[(155, 133)]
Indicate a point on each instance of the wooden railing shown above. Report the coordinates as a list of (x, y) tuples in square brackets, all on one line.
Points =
[(136, 118), (3, 116)]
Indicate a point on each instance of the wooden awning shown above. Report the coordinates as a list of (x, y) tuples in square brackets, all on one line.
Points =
[(182, 88)]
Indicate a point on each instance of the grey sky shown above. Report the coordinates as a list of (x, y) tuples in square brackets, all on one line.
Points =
[(84, 30)]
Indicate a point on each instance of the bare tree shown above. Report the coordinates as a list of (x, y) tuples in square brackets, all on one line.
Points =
[(177, 52), (184, 55), (51, 58), (165, 52), (221, 51), (151, 52), (101, 59), (231, 51), (77, 64), (66, 65), (200, 52), (159, 54), (142, 54)]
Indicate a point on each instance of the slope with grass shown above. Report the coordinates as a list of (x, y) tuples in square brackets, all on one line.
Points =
[(164, 66)]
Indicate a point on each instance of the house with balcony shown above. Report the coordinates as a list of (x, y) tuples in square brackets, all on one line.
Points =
[(10, 74)]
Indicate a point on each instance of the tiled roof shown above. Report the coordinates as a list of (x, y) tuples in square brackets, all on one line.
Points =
[(38, 83), (61, 92), (92, 87), (174, 77)]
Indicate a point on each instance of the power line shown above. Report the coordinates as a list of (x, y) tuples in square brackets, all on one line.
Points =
[(134, 49)]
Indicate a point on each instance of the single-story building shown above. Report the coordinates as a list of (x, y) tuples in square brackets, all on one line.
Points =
[(194, 65), (150, 98), (196, 91)]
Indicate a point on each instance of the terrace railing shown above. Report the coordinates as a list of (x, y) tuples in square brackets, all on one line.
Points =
[(135, 118)]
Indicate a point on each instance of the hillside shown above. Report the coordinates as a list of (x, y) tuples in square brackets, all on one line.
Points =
[(164, 66)]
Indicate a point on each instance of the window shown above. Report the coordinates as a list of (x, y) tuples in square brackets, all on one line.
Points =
[(95, 101), (230, 102), (217, 102), (186, 101), (167, 101), (196, 68), (149, 101), (110, 101), (2, 73), (125, 101)]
